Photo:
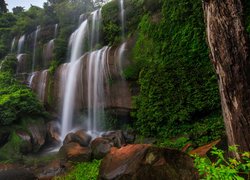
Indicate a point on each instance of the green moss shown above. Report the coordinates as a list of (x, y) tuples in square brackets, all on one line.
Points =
[(10, 152), (88, 170)]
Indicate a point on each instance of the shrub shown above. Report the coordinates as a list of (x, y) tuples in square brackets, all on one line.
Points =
[(224, 168)]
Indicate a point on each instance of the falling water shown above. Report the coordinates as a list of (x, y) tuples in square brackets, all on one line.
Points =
[(81, 18), (122, 18), (97, 72), (76, 51), (22, 63), (34, 48), (42, 83), (56, 30), (95, 30), (48, 52), (31, 78), (20, 44), (13, 44), (121, 53)]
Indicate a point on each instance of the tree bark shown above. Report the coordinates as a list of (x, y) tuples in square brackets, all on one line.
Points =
[(229, 53)]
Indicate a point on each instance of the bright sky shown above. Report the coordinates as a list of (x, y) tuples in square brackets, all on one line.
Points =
[(24, 3)]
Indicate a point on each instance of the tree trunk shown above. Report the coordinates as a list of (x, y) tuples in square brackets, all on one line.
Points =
[(229, 53)]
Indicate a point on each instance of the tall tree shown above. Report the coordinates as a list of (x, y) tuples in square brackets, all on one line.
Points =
[(228, 42), (18, 9), (3, 6)]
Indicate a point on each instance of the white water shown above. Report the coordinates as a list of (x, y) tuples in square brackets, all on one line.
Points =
[(42, 85), (76, 42), (13, 44), (122, 17), (121, 53), (56, 30), (20, 44), (31, 78), (34, 48), (95, 29), (97, 72)]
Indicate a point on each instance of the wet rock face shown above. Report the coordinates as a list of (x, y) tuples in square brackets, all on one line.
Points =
[(146, 162), (53, 132), (38, 135), (74, 152), (26, 145)]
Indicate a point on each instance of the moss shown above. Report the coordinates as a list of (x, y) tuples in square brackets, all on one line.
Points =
[(10, 152)]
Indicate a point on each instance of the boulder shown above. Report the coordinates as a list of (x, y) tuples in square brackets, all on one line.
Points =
[(38, 135), (26, 145), (80, 137), (116, 137), (53, 132), (20, 174), (83, 137), (74, 152), (145, 162), (129, 136), (100, 147)]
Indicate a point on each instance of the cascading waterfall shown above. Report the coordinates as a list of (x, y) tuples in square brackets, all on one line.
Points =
[(122, 17), (42, 85), (13, 44), (56, 30), (121, 52), (76, 41), (34, 47), (20, 44), (95, 29), (97, 74)]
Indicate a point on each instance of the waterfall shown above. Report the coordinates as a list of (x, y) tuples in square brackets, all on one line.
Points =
[(20, 44), (34, 47), (122, 18), (13, 44), (31, 78), (48, 52), (97, 73), (22, 63), (42, 84), (56, 30), (76, 45), (121, 53), (95, 30)]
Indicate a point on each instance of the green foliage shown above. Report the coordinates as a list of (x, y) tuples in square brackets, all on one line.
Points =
[(247, 16), (111, 22), (178, 86), (87, 170), (224, 168), (178, 143), (112, 29), (9, 64), (16, 100)]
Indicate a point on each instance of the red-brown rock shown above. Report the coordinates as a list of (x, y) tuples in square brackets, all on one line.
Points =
[(145, 162), (75, 152)]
